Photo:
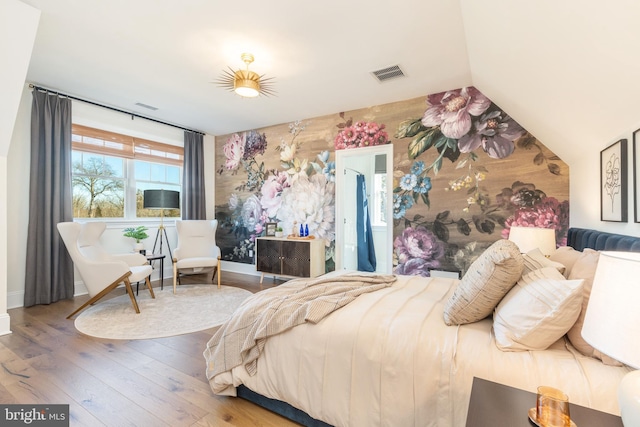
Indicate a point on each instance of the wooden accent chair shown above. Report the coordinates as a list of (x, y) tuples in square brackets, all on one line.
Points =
[(102, 272), (196, 252)]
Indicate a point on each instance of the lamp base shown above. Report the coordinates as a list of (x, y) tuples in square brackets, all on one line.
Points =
[(629, 399)]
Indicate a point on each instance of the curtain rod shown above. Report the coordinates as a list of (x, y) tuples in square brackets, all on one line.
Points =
[(353, 170), (129, 113)]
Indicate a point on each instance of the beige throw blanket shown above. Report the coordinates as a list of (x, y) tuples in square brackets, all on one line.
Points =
[(270, 312)]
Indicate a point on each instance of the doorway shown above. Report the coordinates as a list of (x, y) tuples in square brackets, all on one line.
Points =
[(376, 165)]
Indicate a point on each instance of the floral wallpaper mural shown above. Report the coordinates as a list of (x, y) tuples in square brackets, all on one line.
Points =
[(464, 173), (294, 191)]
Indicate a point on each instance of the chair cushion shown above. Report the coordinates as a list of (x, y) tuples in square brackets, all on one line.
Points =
[(139, 273), (196, 262)]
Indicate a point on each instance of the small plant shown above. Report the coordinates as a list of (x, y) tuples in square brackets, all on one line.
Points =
[(138, 233), (278, 229)]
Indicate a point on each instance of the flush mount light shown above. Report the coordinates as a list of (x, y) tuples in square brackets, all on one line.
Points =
[(246, 83)]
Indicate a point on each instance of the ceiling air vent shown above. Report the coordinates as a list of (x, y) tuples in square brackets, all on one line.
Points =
[(388, 73), (148, 107)]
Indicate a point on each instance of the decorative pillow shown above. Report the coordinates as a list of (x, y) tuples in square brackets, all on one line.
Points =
[(538, 311), (585, 268), (566, 256), (535, 260), (488, 279)]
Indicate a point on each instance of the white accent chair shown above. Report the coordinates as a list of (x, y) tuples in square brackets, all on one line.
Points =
[(196, 252), (100, 271)]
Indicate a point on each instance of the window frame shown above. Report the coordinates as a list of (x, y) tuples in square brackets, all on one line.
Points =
[(130, 149)]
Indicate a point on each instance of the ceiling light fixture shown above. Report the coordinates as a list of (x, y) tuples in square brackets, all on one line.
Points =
[(246, 83)]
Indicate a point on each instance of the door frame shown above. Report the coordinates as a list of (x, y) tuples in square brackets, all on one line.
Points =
[(342, 160)]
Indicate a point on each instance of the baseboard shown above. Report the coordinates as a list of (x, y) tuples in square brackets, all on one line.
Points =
[(15, 299), (5, 324), (239, 267)]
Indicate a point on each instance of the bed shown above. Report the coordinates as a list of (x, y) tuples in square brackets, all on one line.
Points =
[(388, 358)]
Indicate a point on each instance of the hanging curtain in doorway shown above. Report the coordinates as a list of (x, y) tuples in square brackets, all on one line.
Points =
[(49, 269), (366, 251)]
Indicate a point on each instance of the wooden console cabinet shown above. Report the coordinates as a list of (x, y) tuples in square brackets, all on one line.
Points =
[(279, 256)]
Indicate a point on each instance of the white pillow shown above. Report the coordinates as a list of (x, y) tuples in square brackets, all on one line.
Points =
[(566, 256), (537, 311), (535, 260)]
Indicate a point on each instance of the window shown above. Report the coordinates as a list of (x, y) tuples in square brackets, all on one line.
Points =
[(110, 172), (379, 213)]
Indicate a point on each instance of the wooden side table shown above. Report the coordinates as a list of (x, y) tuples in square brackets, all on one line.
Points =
[(494, 404)]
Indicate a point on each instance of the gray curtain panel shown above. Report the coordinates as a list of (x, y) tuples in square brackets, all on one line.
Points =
[(193, 204), (49, 269)]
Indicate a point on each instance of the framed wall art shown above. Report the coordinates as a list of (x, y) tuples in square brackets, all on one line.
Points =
[(270, 228), (613, 182)]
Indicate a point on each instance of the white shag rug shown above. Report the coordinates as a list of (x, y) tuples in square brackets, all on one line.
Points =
[(193, 308)]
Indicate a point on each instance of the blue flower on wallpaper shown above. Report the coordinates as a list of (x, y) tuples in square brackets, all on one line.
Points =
[(423, 186), (329, 171), (401, 202), (408, 182), (417, 167)]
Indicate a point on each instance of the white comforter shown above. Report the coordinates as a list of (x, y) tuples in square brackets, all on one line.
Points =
[(388, 359)]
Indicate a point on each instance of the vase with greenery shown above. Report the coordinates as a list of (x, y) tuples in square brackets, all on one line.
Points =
[(138, 233)]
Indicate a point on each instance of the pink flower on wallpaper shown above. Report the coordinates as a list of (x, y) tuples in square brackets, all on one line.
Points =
[(233, 151), (548, 213), (270, 193), (361, 134), (452, 110)]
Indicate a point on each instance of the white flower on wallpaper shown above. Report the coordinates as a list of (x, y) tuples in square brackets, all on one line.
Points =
[(309, 200), (252, 214)]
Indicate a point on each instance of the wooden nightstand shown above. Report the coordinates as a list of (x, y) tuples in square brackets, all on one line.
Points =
[(494, 404)]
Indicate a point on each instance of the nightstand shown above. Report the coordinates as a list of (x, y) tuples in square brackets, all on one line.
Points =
[(492, 404)]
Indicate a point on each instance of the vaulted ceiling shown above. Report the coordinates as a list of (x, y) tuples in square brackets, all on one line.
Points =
[(568, 71)]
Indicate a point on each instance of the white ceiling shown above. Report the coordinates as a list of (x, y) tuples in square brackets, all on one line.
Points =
[(568, 71), (167, 53)]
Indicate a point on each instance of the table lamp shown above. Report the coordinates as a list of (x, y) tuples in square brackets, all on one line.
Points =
[(529, 238), (612, 322), (161, 199)]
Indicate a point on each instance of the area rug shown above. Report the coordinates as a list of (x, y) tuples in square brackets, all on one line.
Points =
[(193, 308)]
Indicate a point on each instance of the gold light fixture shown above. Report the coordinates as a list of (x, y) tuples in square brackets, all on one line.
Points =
[(246, 83)]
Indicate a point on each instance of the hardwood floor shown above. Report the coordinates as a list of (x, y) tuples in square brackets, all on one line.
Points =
[(155, 382)]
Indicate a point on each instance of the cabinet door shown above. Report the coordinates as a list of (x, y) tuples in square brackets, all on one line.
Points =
[(296, 259), (268, 256)]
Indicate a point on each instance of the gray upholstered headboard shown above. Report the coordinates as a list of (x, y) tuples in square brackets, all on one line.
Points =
[(580, 238)]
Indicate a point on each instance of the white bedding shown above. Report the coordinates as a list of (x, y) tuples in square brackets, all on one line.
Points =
[(388, 359)]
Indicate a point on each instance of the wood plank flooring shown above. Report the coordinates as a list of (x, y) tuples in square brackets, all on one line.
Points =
[(156, 382)]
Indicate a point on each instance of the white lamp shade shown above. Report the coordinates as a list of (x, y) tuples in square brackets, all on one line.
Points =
[(612, 322), (529, 238)]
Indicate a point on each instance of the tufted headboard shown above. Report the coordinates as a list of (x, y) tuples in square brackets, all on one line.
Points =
[(580, 238)]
